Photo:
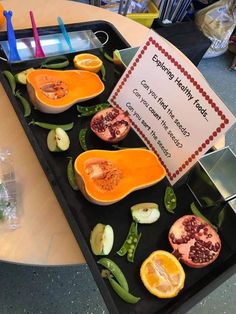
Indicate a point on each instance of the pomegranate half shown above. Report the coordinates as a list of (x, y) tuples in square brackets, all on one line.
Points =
[(194, 241), (111, 124)]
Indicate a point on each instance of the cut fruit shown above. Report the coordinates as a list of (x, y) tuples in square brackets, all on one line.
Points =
[(22, 76), (195, 241), (58, 140), (88, 62), (162, 274), (111, 125), (145, 213), (102, 239), (54, 91)]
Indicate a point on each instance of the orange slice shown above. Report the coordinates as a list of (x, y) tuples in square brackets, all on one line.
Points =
[(162, 274), (88, 62)]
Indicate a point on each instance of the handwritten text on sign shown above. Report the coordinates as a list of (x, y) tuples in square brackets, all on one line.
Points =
[(171, 106)]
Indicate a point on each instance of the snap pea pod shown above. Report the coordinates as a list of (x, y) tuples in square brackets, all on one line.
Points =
[(49, 126), (82, 138), (197, 212), (170, 199), (107, 56), (58, 62), (11, 80), (123, 147), (25, 104), (71, 175), (91, 110), (115, 270), (131, 242), (221, 218), (122, 293), (103, 72), (1, 215)]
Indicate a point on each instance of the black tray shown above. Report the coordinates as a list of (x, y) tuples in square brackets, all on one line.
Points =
[(83, 216)]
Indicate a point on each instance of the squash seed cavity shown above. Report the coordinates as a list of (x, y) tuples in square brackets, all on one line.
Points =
[(55, 89), (104, 173)]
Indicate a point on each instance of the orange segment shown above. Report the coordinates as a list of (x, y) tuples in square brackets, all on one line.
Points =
[(88, 62), (162, 274)]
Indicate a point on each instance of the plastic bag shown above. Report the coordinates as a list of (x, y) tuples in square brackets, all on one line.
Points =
[(217, 22), (126, 7), (9, 216)]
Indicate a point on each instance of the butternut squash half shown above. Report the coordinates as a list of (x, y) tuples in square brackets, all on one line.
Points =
[(105, 177), (53, 91)]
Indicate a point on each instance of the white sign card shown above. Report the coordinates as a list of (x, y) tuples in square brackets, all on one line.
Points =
[(171, 106)]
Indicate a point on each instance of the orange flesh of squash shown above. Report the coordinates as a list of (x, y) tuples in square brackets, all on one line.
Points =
[(139, 168), (80, 84)]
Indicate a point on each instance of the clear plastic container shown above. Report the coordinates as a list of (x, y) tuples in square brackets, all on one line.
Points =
[(8, 192)]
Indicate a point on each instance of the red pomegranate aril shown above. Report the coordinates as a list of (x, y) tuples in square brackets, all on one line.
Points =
[(189, 236), (111, 124)]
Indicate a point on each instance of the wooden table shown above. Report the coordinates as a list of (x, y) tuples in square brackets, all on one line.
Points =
[(44, 237)]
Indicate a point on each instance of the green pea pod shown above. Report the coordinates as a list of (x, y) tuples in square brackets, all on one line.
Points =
[(82, 138), (71, 175), (115, 270), (59, 62), (25, 104), (107, 56), (91, 110), (123, 147), (170, 199), (49, 126), (11, 80), (221, 217), (131, 242), (197, 212), (103, 72), (122, 293), (131, 253)]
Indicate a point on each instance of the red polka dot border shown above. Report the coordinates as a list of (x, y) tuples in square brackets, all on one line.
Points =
[(225, 120)]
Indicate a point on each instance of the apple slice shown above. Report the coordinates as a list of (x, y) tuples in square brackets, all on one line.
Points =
[(21, 77), (145, 213), (58, 140), (102, 239)]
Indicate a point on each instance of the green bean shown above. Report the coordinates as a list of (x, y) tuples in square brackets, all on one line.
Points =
[(89, 111), (59, 62), (103, 72), (25, 104), (82, 138), (71, 174), (197, 212), (131, 242), (49, 126), (170, 199), (11, 80), (115, 270), (122, 293)]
